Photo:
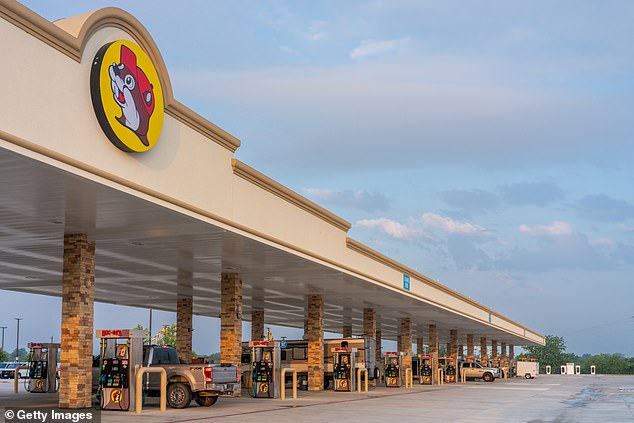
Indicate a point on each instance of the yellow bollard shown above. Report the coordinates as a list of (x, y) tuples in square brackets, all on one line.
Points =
[(409, 380), (16, 377), (283, 385), (360, 371), (138, 397)]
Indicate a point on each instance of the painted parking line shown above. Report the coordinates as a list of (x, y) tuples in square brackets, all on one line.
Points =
[(509, 388), (537, 384)]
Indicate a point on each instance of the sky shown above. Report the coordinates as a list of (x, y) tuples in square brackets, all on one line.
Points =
[(484, 144)]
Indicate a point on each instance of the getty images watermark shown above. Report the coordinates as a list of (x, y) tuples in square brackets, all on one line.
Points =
[(50, 415)]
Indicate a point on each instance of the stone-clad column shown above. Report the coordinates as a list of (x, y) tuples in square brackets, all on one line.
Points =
[(315, 332), (184, 313), (405, 341), (433, 350), (369, 323), (257, 324), (453, 343), (369, 330), (511, 352), (230, 318), (78, 290), (347, 331), (420, 344), (460, 350), (379, 352), (470, 346), (494, 352), (484, 354), (503, 355)]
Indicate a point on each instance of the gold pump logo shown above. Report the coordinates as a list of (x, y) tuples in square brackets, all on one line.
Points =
[(127, 96)]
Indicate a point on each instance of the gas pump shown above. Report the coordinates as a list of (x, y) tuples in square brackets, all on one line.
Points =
[(344, 369), (265, 369), (426, 369), (121, 354), (450, 369), (393, 365), (42, 368)]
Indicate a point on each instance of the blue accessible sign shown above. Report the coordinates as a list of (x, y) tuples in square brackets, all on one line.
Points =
[(406, 282)]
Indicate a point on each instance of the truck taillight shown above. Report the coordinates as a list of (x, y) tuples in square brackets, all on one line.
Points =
[(209, 374), (237, 374)]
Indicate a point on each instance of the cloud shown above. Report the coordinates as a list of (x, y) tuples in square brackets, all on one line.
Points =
[(623, 254), (391, 227), (436, 109), (606, 242), (552, 253), (531, 193), (556, 228), (316, 31), (473, 200), (364, 200), (449, 225), (467, 253), (377, 47), (601, 207)]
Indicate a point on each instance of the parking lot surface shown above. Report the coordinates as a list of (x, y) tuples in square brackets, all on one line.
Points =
[(553, 398)]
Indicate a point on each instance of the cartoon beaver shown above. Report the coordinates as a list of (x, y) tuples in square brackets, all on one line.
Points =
[(133, 93)]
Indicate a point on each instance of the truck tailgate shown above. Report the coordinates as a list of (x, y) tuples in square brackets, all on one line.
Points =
[(224, 373)]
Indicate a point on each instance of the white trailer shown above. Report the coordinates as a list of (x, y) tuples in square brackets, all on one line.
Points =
[(527, 369)]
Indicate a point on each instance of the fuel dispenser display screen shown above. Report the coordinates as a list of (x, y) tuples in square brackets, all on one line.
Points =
[(344, 369), (393, 366)]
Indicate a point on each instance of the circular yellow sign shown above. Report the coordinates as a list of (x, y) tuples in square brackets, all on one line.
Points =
[(127, 96), (115, 396), (39, 384), (264, 387)]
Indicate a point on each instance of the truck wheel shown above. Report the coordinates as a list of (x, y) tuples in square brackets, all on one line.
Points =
[(527, 376), (487, 377), (206, 401), (178, 395)]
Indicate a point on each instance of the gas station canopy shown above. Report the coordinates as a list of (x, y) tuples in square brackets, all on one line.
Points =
[(167, 222)]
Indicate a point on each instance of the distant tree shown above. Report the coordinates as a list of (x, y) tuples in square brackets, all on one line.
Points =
[(146, 336), (553, 353), (24, 355), (611, 364), (166, 336), (214, 358), (4, 356)]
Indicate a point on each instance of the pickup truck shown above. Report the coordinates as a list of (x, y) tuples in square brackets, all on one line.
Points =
[(203, 383), (476, 371), (7, 370)]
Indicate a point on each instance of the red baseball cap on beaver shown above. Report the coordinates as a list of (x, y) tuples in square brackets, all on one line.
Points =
[(128, 58)]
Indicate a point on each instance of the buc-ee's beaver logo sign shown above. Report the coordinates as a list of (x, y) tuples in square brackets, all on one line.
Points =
[(127, 96)]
